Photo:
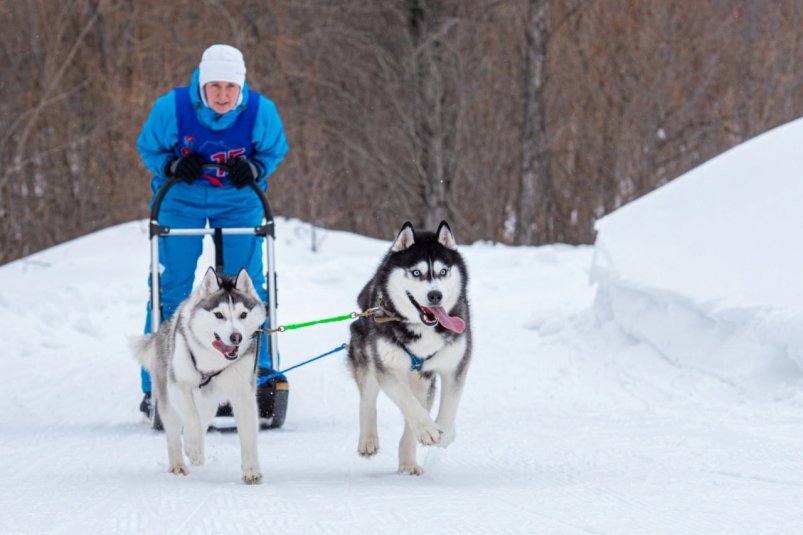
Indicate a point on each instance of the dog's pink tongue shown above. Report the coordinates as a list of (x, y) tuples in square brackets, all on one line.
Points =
[(223, 348), (453, 323)]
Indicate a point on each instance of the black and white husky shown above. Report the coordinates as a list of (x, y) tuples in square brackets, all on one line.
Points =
[(422, 331), (203, 355)]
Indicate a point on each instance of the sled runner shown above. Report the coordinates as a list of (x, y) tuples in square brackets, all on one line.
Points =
[(272, 388)]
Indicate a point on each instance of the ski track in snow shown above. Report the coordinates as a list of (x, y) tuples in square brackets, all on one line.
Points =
[(567, 425)]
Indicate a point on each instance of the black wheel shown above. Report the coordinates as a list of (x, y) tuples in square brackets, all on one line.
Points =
[(156, 420), (224, 410), (272, 396)]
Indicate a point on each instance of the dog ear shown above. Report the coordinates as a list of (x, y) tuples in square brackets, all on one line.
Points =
[(210, 283), (445, 236), (405, 239), (244, 282)]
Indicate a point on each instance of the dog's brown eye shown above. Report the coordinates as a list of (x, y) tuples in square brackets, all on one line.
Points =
[(218, 315), (243, 315)]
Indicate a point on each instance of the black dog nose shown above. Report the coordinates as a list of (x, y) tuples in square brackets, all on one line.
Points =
[(236, 338), (434, 297)]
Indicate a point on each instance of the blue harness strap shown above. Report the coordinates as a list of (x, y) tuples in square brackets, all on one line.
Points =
[(416, 362), (266, 378)]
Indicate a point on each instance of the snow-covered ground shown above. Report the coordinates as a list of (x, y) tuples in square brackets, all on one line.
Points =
[(709, 268), (665, 398)]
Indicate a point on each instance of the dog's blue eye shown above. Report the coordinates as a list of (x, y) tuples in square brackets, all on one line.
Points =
[(218, 315), (243, 315), (416, 273), (444, 272)]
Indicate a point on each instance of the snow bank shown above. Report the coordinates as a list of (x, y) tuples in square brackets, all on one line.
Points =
[(709, 268)]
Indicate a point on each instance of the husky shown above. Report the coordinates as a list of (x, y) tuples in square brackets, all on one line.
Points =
[(420, 330), (203, 355)]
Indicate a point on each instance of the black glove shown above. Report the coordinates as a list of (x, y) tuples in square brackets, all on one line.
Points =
[(187, 168), (242, 172)]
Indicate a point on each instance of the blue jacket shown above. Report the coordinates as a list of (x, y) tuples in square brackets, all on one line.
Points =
[(159, 137)]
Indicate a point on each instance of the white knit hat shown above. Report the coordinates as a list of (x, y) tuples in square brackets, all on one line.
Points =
[(222, 63)]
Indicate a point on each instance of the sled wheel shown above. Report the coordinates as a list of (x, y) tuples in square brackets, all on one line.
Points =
[(224, 410), (272, 396), (156, 421)]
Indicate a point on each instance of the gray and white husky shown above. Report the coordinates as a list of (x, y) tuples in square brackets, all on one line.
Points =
[(203, 355), (422, 331)]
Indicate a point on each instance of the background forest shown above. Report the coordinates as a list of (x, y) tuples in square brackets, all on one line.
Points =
[(519, 121)]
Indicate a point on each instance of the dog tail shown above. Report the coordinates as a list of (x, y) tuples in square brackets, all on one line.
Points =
[(144, 348)]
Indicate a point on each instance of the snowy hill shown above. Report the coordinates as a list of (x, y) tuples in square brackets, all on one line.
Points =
[(707, 269), (661, 404)]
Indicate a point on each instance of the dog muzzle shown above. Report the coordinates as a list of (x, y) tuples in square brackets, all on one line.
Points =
[(230, 352), (434, 315)]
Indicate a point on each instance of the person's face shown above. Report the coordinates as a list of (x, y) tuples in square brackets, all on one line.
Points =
[(221, 96)]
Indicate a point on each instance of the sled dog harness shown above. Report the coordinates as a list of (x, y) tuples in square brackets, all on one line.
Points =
[(416, 362), (206, 377)]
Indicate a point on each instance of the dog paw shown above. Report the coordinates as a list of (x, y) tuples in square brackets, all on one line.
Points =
[(429, 434), (194, 454), (179, 469), (368, 446), (447, 438), (252, 476), (410, 469)]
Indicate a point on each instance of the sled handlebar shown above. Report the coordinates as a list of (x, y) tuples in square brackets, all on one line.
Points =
[(263, 198), (268, 230)]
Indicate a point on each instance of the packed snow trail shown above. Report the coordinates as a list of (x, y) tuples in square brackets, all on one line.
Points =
[(567, 425)]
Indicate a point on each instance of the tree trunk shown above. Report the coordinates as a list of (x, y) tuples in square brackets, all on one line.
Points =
[(533, 202), (432, 121)]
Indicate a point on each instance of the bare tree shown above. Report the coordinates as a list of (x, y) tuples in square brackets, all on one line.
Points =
[(520, 121), (533, 203)]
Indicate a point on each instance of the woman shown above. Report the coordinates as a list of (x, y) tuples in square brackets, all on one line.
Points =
[(216, 119)]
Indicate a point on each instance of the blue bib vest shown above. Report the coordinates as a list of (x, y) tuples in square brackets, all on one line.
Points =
[(216, 146)]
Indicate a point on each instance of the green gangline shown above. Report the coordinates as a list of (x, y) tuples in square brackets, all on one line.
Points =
[(293, 326)]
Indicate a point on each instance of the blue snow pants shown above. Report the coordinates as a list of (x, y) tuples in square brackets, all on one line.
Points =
[(192, 206)]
